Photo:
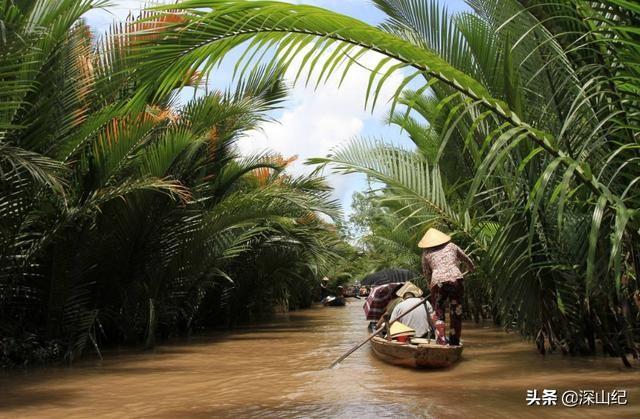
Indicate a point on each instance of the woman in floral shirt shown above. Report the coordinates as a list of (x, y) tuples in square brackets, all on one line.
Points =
[(441, 265)]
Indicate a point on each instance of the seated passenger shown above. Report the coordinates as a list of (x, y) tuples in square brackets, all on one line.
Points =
[(419, 319), (389, 309)]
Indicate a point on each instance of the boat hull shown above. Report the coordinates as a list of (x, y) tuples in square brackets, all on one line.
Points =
[(416, 356)]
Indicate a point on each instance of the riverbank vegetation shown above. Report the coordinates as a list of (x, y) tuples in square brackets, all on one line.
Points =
[(525, 120), (127, 215), (123, 226)]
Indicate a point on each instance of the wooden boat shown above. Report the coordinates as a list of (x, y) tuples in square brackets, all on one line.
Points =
[(421, 355), (333, 301), (349, 292)]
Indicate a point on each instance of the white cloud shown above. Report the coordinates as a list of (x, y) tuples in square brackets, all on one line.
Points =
[(314, 121), (324, 118)]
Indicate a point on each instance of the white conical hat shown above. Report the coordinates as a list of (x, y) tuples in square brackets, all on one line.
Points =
[(401, 329), (409, 287), (433, 238)]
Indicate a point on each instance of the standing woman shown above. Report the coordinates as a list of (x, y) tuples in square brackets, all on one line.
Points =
[(441, 260)]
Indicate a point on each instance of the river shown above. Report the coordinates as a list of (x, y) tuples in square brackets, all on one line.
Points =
[(279, 369)]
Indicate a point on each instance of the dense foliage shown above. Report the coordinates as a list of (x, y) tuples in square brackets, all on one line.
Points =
[(122, 225), (525, 116), (127, 214)]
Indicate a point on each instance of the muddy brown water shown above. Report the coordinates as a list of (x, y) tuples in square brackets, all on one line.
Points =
[(279, 370)]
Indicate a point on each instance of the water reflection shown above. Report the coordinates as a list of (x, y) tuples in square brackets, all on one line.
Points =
[(279, 370)]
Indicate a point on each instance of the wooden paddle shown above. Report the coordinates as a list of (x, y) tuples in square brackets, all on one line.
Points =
[(376, 332)]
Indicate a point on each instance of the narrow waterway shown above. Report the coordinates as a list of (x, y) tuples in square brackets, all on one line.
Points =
[(279, 369)]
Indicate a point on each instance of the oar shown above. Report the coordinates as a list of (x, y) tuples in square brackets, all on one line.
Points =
[(355, 348)]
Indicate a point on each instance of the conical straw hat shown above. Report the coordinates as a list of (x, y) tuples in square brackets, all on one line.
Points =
[(400, 329), (433, 238), (409, 287)]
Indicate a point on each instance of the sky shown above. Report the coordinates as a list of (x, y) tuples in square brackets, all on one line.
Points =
[(312, 122)]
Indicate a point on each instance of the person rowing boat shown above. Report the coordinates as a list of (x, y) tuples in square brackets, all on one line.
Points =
[(440, 264)]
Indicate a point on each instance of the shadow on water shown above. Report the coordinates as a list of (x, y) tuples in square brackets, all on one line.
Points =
[(16, 398), (279, 369)]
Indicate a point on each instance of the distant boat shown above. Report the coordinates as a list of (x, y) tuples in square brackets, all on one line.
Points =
[(418, 354), (349, 292), (333, 301)]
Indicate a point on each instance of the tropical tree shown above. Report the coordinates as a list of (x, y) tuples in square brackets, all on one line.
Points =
[(121, 226), (530, 155)]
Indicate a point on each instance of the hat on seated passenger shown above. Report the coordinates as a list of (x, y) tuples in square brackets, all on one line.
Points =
[(409, 287)]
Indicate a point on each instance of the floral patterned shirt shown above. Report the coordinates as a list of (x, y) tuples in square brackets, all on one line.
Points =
[(441, 263)]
